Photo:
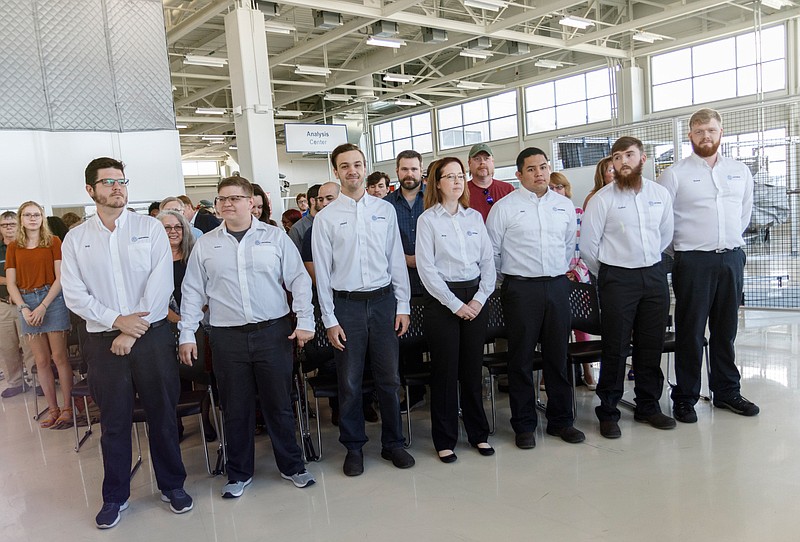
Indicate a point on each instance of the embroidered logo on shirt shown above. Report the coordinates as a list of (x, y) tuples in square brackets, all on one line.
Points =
[(697, 180), (734, 177), (654, 203), (559, 210), (134, 238), (375, 218), (470, 233)]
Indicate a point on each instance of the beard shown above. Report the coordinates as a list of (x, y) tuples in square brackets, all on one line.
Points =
[(410, 183), (629, 180), (104, 201), (705, 152)]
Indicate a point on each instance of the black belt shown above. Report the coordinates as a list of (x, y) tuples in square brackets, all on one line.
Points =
[(363, 296), (724, 250), (531, 279), (249, 328), (6, 300), (115, 332), (464, 284)]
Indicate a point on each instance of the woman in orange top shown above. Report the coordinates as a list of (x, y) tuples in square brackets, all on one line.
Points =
[(33, 272)]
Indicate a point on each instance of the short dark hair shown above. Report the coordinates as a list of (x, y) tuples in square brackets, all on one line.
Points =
[(530, 151), (345, 147), (377, 176), (300, 195), (235, 180), (101, 163), (313, 191), (408, 154), (626, 142)]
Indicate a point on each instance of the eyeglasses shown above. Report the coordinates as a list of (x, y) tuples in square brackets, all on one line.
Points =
[(110, 182), (9, 224), (453, 176), (177, 228), (31, 215), (556, 187), (489, 198), (222, 200)]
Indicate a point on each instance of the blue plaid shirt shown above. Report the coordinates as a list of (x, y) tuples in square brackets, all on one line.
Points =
[(407, 223)]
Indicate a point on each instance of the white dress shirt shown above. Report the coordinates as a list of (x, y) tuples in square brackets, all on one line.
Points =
[(712, 205), (357, 248), (243, 282), (106, 274), (532, 236), (454, 248), (627, 229)]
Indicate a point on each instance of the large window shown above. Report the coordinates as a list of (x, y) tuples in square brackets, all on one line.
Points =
[(200, 168), (399, 135), (720, 69), (571, 101), (478, 121)]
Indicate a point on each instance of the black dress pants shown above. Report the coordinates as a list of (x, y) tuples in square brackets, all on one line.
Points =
[(456, 348), (632, 302)]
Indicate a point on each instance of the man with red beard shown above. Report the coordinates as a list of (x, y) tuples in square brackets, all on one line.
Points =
[(713, 202), (623, 233)]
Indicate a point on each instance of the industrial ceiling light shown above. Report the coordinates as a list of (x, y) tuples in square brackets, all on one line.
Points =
[(393, 43), (202, 60), (469, 85), (289, 113), (488, 5), (576, 22), (269, 9), (776, 4), (385, 29), (213, 138), (405, 102), (397, 78), (472, 53), (333, 97), (279, 28), (646, 37), (180, 126), (300, 69), (516, 48), (550, 64), (210, 111)]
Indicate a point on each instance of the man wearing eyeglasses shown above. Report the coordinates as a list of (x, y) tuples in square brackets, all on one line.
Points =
[(533, 233), (10, 342), (116, 273), (240, 270), (484, 189)]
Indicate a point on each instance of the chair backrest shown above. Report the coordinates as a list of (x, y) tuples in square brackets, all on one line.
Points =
[(496, 327), (584, 308), (414, 338)]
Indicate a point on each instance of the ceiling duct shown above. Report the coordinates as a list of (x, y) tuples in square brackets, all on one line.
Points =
[(326, 20), (434, 35), (366, 95), (385, 29)]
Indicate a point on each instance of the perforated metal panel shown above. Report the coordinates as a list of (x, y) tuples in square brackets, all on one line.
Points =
[(84, 65)]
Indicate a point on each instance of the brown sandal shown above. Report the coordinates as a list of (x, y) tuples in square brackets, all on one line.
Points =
[(64, 420), (50, 419)]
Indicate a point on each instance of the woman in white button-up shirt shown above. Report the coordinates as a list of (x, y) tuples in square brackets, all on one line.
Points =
[(455, 263)]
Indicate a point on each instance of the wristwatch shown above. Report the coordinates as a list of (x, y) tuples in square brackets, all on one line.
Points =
[(23, 306)]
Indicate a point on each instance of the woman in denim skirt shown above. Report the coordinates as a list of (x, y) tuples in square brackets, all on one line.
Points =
[(33, 272)]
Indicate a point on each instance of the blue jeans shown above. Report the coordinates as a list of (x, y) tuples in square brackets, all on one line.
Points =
[(368, 326), (250, 363), (152, 368)]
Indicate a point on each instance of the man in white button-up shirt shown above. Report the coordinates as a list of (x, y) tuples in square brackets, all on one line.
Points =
[(363, 290), (624, 230), (713, 202), (241, 269), (533, 232), (116, 273)]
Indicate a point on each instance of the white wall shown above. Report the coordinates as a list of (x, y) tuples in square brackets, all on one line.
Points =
[(48, 167)]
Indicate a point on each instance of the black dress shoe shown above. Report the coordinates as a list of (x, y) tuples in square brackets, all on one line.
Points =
[(486, 452), (659, 420), (353, 463), (525, 441), (399, 457), (610, 429), (449, 458), (567, 434), (684, 412), (739, 405)]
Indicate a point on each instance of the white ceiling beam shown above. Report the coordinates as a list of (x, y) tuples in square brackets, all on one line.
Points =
[(202, 93), (194, 21)]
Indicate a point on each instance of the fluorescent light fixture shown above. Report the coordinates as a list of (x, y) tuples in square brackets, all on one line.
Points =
[(180, 126), (397, 78), (213, 138), (405, 102), (473, 53), (550, 64), (469, 85), (775, 4), (300, 69), (646, 37), (210, 111), (289, 113), (394, 43), (333, 97), (208, 61), (278, 28), (488, 5), (576, 22), (233, 147)]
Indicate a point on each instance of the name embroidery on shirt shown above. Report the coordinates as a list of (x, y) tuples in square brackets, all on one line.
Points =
[(734, 177), (697, 180)]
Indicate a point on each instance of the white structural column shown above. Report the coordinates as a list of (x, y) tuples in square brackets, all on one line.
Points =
[(630, 95), (251, 90)]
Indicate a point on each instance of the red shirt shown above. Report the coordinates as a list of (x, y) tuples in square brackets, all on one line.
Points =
[(478, 197)]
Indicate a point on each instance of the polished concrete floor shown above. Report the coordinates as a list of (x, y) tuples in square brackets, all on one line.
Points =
[(724, 478)]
